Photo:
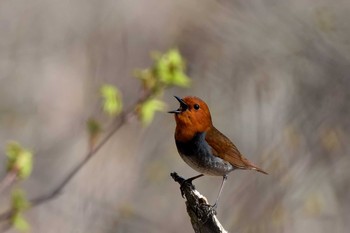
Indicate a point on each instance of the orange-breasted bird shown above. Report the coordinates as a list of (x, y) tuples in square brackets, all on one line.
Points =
[(202, 146)]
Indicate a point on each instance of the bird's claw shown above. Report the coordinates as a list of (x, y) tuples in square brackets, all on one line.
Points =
[(212, 209), (215, 206)]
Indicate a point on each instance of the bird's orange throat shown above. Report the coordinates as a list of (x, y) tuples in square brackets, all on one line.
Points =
[(187, 128), (184, 135)]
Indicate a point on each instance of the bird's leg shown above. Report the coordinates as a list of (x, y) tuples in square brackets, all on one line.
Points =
[(188, 182), (224, 178)]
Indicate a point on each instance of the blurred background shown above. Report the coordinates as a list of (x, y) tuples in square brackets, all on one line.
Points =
[(275, 75)]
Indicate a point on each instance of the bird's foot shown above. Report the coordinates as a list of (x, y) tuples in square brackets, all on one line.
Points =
[(215, 206), (212, 209)]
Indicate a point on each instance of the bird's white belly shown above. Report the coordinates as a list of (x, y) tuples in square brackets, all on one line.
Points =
[(208, 165)]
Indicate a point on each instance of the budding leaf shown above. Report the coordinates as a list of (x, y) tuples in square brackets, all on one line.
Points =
[(93, 126), (171, 67), (181, 79), (19, 201), (25, 164), (112, 100), (149, 80), (175, 58), (12, 151), (19, 222), (148, 109), (19, 159), (94, 129), (19, 204)]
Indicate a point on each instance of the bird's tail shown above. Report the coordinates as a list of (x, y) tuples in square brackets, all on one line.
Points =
[(254, 167), (259, 170)]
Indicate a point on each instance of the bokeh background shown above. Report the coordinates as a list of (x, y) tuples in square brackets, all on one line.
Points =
[(274, 73)]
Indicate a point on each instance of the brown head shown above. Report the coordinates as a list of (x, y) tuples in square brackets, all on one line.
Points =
[(193, 116)]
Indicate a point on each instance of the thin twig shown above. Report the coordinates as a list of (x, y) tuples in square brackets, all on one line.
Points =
[(8, 180), (41, 199), (125, 118)]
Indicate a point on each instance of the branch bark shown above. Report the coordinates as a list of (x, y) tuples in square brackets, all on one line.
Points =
[(202, 215)]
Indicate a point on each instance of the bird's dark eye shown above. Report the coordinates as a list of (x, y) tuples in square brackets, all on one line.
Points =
[(196, 106)]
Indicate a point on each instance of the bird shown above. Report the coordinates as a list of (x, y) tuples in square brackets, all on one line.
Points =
[(202, 146)]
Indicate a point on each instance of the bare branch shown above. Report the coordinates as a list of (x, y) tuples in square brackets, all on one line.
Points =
[(39, 200), (202, 215)]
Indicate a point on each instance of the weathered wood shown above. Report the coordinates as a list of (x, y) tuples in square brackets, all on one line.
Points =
[(202, 215)]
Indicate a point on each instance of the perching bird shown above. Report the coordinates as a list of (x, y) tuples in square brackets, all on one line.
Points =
[(202, 146)]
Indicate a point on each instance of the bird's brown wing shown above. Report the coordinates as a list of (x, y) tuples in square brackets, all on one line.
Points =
[(226, 150)]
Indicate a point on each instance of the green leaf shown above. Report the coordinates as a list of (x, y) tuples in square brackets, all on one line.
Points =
[(94, 130), (181, 79), (148, 109), (112, 100), (149, 80), (19, 159), (19, 222), (94, 127), (19, 204), (171, 69), (19, 201), (12, 151), (175, 58), (24, 164)]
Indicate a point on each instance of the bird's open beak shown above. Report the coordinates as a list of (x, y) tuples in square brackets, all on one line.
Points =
[(183, 106)]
